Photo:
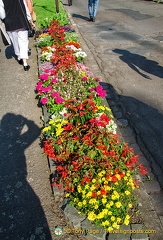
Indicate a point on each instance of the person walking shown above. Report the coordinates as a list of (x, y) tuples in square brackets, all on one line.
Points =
[(17, 22), (92, 8)]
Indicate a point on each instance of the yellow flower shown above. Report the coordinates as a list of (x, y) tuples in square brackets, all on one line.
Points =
[(89, 194), (51, 122), (46, 129), (115, 225), (92, 187), (111, 203), (127, 192), (99, 192), (75, 199), (119, 219), (105, 211), (83, 192), (59, 131), (86, 186), (80, 204), (126, 222), (106, 223), (101, 108), (110, 213), (92, 201), (118, 204), (127, 217), (110, 229), (91, 216), (96, 206), (108, 109), (130, 205), (100, 215), (67, 194), (94, 180), (118, 176), (84, 202), (107, 205), (104, 200), (112, 218)]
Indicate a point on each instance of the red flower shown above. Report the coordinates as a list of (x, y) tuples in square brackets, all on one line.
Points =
[(68, 127)]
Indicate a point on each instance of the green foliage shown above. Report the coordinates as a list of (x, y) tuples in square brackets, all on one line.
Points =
[(46, 12)]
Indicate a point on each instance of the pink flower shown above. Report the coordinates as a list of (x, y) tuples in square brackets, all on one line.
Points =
[(85, 78), (46, 70), (53, 80), (92, 89), (46, 89), (44, 100), (55, 94), (44, 77), (101, 93), (59, 100)]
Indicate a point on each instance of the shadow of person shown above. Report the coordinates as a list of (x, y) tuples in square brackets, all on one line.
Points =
[(80, 16), (9, 52), (138, 62), (22, 216), (146, 122)]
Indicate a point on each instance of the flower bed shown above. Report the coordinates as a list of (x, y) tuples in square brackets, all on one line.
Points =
[(94, 168)]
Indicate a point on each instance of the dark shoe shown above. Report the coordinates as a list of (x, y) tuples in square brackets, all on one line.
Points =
[(20, 61), (91, 19), (26, 68)]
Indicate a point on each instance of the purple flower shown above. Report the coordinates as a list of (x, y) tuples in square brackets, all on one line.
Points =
[(44, 100)]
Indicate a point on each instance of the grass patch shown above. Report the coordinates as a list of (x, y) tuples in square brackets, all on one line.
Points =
[(46, 12)]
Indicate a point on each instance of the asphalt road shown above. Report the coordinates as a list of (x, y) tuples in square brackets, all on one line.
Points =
[(126, 42)]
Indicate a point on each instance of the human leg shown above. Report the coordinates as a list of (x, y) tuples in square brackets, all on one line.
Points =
[(96, 2), (23, 45), (90, 7), (14, 39)]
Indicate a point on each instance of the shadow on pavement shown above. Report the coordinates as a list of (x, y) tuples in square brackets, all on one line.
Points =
[(22, 216), (80, 16), (145, 120), (138, 62)]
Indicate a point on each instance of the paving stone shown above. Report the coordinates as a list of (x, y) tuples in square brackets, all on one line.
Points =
[(157, 200), (93, 232), (122, 123), (72, 215), (152, 186), (137, 228), (136, 148), (124, 233), (161, 219), (118, 115)]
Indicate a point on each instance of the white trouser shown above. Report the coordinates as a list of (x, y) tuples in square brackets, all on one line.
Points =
[(20, 42)]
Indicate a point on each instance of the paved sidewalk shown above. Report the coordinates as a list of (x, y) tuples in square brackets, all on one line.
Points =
[(25, 193)]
